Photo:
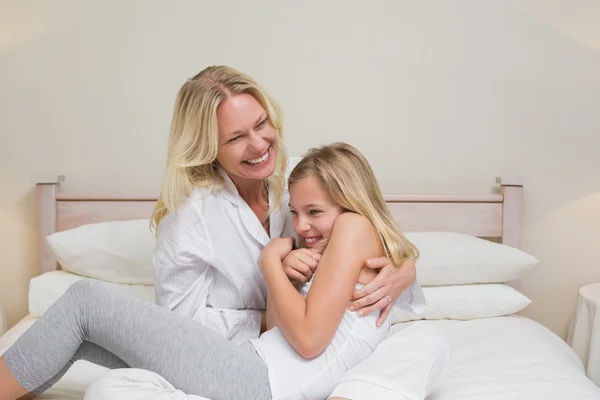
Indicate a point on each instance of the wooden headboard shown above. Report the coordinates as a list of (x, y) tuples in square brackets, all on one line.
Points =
[(495, 216)]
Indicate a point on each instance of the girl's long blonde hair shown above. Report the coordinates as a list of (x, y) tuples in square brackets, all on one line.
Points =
[(194, 137), (348, 178)]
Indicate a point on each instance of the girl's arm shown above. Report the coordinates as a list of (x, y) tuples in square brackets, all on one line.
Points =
[(309, 324), (272, 320)]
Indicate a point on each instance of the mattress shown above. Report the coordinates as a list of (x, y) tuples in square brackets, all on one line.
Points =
[(502, 358)]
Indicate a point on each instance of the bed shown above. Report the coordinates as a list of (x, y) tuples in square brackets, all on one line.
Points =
[(504, 356)]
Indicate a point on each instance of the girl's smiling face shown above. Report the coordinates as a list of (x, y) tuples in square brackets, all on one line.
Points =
[(313, 211)]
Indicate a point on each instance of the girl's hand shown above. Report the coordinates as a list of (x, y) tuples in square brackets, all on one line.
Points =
[(300, 264), (278, 247)]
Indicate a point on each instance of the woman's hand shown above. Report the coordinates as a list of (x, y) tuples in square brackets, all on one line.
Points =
[(300, 264), (381, 293)]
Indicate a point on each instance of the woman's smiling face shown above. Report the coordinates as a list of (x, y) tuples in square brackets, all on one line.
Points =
[(247, 140)]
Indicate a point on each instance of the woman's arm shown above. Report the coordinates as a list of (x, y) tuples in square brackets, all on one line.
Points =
[(399, 284), (183, 278), (182, 285), (309, 324)]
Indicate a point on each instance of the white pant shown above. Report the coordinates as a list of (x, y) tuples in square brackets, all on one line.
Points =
[(135, 384), (406, 365)]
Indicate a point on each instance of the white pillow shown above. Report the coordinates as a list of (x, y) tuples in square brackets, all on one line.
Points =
[(466, 302), (116, 251), (121, 252), (45, 289), (449, 258)]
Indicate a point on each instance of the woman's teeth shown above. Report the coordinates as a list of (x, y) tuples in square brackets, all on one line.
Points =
[(259, 159)]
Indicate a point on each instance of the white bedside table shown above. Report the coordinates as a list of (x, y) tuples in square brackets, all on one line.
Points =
[(584, 332)]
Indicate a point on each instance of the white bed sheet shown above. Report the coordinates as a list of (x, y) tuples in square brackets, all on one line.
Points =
[(508, 358), (504, 358)]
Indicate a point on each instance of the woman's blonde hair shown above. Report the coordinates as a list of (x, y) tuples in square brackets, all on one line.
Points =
[(348, 178), (194, 137)]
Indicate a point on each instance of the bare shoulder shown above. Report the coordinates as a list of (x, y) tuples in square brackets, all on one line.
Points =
[(352, 220), (350, 225), (354, 234)]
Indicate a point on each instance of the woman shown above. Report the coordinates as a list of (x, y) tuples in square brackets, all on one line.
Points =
[(314, 340), (223, 198)]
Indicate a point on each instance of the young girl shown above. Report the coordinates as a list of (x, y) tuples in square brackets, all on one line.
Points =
[(313, 339), (338, 211)]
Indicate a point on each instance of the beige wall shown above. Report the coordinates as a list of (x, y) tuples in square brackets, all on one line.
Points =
[(440, 99)]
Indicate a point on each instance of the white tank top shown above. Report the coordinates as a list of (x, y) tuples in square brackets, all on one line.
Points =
[(293, 377)]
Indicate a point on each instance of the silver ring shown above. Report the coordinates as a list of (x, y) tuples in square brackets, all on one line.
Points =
[(389, 299)]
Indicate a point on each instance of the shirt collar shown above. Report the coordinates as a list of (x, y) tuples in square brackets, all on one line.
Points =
[(229, 191)]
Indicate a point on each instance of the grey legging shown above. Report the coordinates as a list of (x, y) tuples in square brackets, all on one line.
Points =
[(94, 322)]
